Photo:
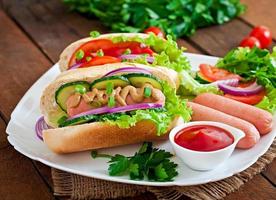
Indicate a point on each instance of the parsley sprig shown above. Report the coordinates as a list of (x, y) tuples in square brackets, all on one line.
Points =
[(151, 163)]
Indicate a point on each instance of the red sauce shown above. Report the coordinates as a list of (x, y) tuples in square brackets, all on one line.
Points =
[(203, 138)]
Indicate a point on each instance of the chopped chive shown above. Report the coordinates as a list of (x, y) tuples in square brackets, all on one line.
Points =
[(80, 89), (94, 34), (111, 101), (109, 88), (79, 54), (88, 58), (100, 53), (127, 51), (147, 92)]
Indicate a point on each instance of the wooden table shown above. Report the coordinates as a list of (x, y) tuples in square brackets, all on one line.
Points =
[(32, 35)]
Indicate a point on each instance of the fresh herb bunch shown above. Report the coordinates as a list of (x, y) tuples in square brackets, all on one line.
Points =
[(175, 17), (148, 162)]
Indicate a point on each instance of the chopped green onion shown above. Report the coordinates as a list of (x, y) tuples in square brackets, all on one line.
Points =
[(127, 51), (109, 88), (100, 53), (147, 92), (94, 34), (62, 119), (88, 58), (80, 89), (79, 54), (111, 101)]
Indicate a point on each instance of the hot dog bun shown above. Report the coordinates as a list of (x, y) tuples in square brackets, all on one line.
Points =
[(69, 50), (97, 134)]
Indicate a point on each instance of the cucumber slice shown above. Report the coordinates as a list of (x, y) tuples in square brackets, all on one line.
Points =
[(79, 120), (138, 80), (66, 90), (200, 78), (101, 83)]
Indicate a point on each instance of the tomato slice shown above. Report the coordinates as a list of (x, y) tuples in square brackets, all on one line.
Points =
[(214, 73), (251, 99), (92, 46), (157, 31), (109, 48), (100, 61)]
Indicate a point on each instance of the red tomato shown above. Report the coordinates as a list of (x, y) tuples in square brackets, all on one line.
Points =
[(250, 42), (157, 31), (251, 99), (214, 73), (100, 61), (263, 34), (92, 46)]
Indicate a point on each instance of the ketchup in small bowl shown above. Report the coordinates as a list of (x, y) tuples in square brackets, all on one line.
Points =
[(204, 145), (204, 138)]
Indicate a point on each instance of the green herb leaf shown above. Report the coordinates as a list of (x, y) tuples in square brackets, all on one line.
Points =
[(127, 51), (79, 54), (148, 162), (176, 17), (147, 92)]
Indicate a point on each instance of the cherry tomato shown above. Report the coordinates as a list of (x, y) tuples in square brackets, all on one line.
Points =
[(100, 60), (263, 34), (251, 99), (157, 31), (250, 42), (214, 73)]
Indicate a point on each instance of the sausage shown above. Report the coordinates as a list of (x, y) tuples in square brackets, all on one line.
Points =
[(203, 113), (261, 119)]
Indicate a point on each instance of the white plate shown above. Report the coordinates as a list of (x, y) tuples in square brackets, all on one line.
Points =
[(22, 136)]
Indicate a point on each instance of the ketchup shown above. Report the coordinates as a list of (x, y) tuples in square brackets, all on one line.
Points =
[(203, 138)]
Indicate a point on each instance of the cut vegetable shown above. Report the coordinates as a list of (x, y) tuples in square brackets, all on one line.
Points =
[(115, 80), (128, 70), (201, 78), (139, 80), (66, 90), (78, 120)]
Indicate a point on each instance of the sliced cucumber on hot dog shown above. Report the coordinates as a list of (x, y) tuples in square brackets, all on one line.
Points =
[(138, 80), (68, 89), (117, 81), (78, 120)]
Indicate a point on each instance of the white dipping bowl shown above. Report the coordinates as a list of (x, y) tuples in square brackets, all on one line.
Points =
[(205, 160)]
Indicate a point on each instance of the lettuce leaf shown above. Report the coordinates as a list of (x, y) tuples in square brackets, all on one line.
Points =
[(269, 101), (168, 53), (189, 86)]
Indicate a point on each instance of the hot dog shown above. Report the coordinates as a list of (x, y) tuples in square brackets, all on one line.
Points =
[(203, 113), (261, 119)]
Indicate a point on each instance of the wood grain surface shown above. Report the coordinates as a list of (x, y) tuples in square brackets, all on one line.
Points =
[(34, 34)]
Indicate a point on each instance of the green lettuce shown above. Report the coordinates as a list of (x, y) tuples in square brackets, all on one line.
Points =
[(168, 53), (269, 101)]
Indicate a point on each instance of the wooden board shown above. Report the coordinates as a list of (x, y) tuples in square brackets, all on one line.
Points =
[(261, 13)]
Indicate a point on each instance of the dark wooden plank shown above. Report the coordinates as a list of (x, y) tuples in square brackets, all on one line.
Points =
[(261, 13), (270, 172), (18, 178), (218, 40), (256, 189), (18, 72), (3, 136)]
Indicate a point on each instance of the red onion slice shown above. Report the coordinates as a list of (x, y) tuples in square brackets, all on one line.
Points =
[(104, 110), (75, 66), (230, 82), (40, 126), (238, 91), (128, 69), (150, 59)]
